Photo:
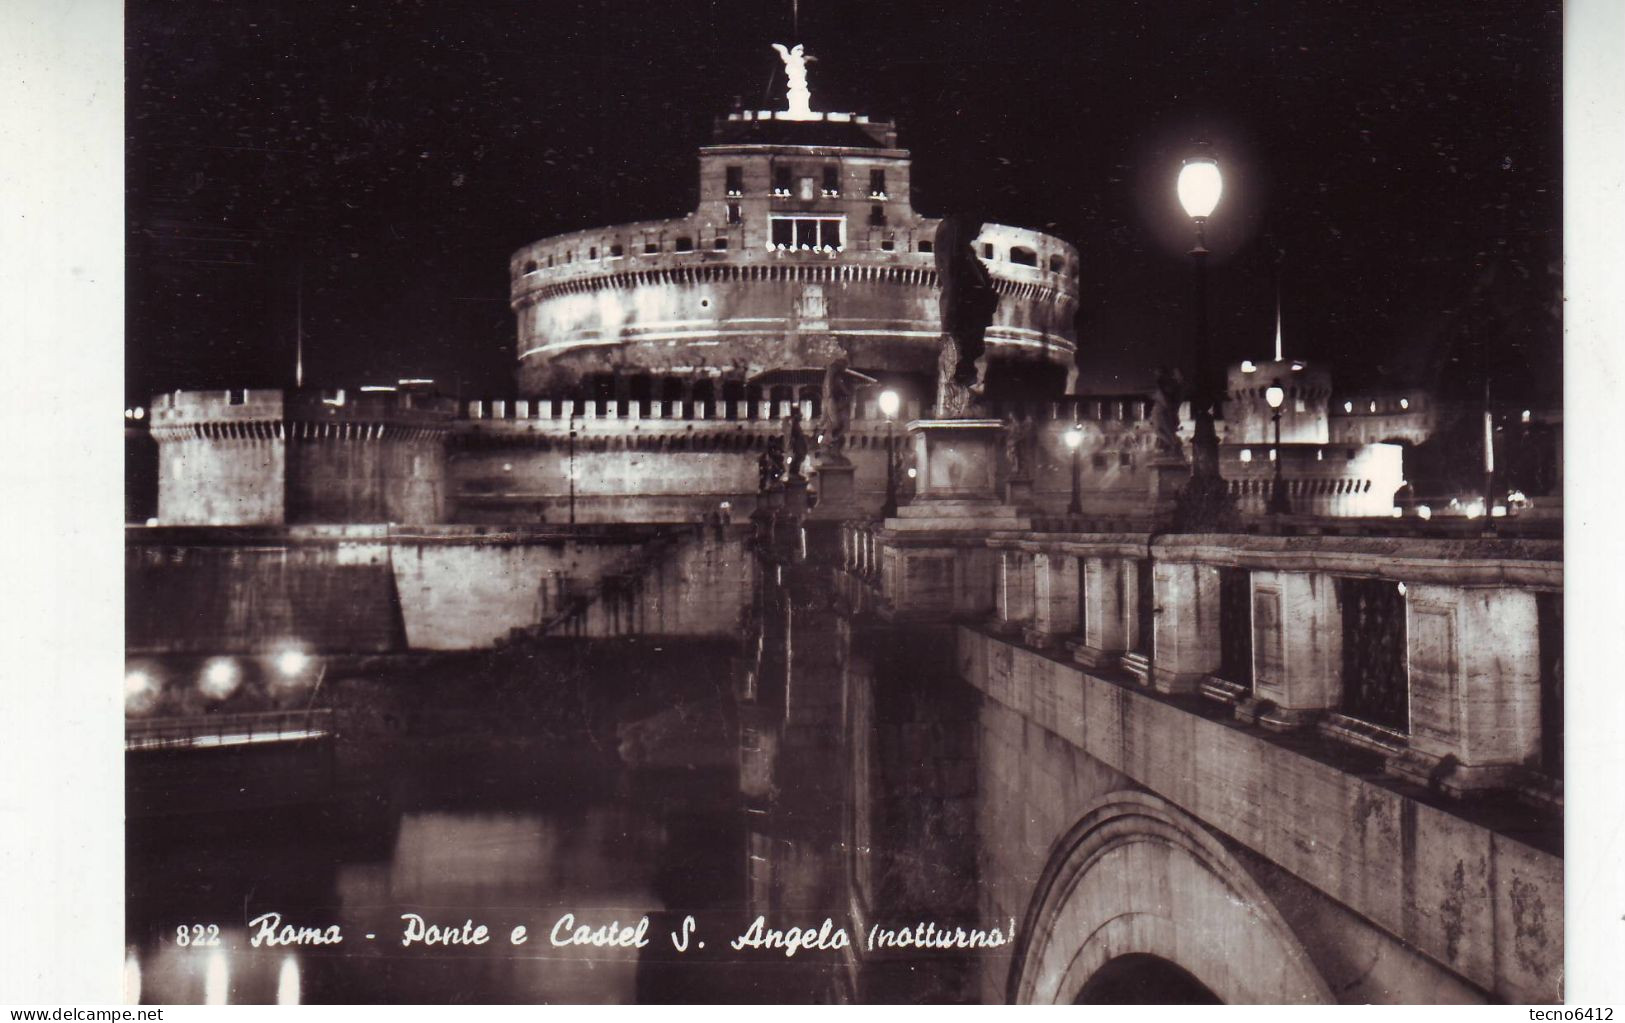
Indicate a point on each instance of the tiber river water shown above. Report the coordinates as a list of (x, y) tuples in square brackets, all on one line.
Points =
[(599, 779)]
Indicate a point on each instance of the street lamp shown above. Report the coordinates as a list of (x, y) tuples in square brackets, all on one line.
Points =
[(1074, 441), (889, 404), (1200, 186), (1279, 505)]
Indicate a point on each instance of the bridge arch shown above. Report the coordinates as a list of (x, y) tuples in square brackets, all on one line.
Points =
[(1139, 889)]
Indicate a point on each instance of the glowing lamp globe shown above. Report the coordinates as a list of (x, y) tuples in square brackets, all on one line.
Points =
[(1274, 395), (1074, 437), (1200, 187), (889, 404)]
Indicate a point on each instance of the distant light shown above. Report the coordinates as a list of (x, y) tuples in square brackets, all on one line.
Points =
[(1320, 454), (1373, 406), (415, 381), (220, 678), (1404, 403), (1248, 367), (1074, 437), (1396, 513), (1272, 454), (912, 472), (1274, 394), (1200, 186), (1516, 497), (1424, 512), (292, 663), (287, 982), (129, 413), (726, 505), (215, 991), (1297, 367), (1348, 406), (890, 403), (1246, 454), (1475, 510), (152, 521), (140, 691), (378, 387), (1498, 512), (132, 978), (1525, 415), (1401, 589), (507, 467)]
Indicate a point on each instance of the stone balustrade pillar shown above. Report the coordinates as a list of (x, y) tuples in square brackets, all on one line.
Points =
[(1473, 659), (1055, 598), (1104, 613), (1185, 641), (1015, 593), (1297, 648)]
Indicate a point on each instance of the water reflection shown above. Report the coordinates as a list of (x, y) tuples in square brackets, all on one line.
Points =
[(724, 783)]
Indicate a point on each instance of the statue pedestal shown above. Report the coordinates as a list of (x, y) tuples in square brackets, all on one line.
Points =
[(934, 561), (957, 459), (793, 501), (1167, 477), (837, 494), (1018, 490)]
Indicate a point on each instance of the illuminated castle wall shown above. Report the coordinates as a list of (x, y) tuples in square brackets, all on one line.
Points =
[(804, 247)]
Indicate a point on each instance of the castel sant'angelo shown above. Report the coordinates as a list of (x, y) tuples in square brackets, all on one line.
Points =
[(661, 363)]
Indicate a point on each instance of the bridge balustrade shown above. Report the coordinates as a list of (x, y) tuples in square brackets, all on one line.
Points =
[(1443, 656)]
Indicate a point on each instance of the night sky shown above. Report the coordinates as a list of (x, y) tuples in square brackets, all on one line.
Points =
[(1395, 165)]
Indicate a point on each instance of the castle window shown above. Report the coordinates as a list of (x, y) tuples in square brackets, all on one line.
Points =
[(237, 397), (549, 260), (797, 231), (781, 181), (530, 266), (877, 184), (925, 246), (877, 216), (1056, 265), (733, 213), (1098, 460), (719, 244), (684, 245), (888, 245), (616, 251), (736, 181), (832, 180), (987, 250), (1024, 256), (592, 253), (650, 248)]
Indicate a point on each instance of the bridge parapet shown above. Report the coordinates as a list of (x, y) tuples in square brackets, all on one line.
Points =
[(1442, 655)]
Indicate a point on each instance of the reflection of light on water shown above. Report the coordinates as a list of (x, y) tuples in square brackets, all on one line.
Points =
[(287, 983), (214, 979), (132, 979)]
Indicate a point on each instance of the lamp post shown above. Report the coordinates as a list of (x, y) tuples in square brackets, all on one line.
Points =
[(1279, 505), (889, 404), (1200, 186), (1074, 442)]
